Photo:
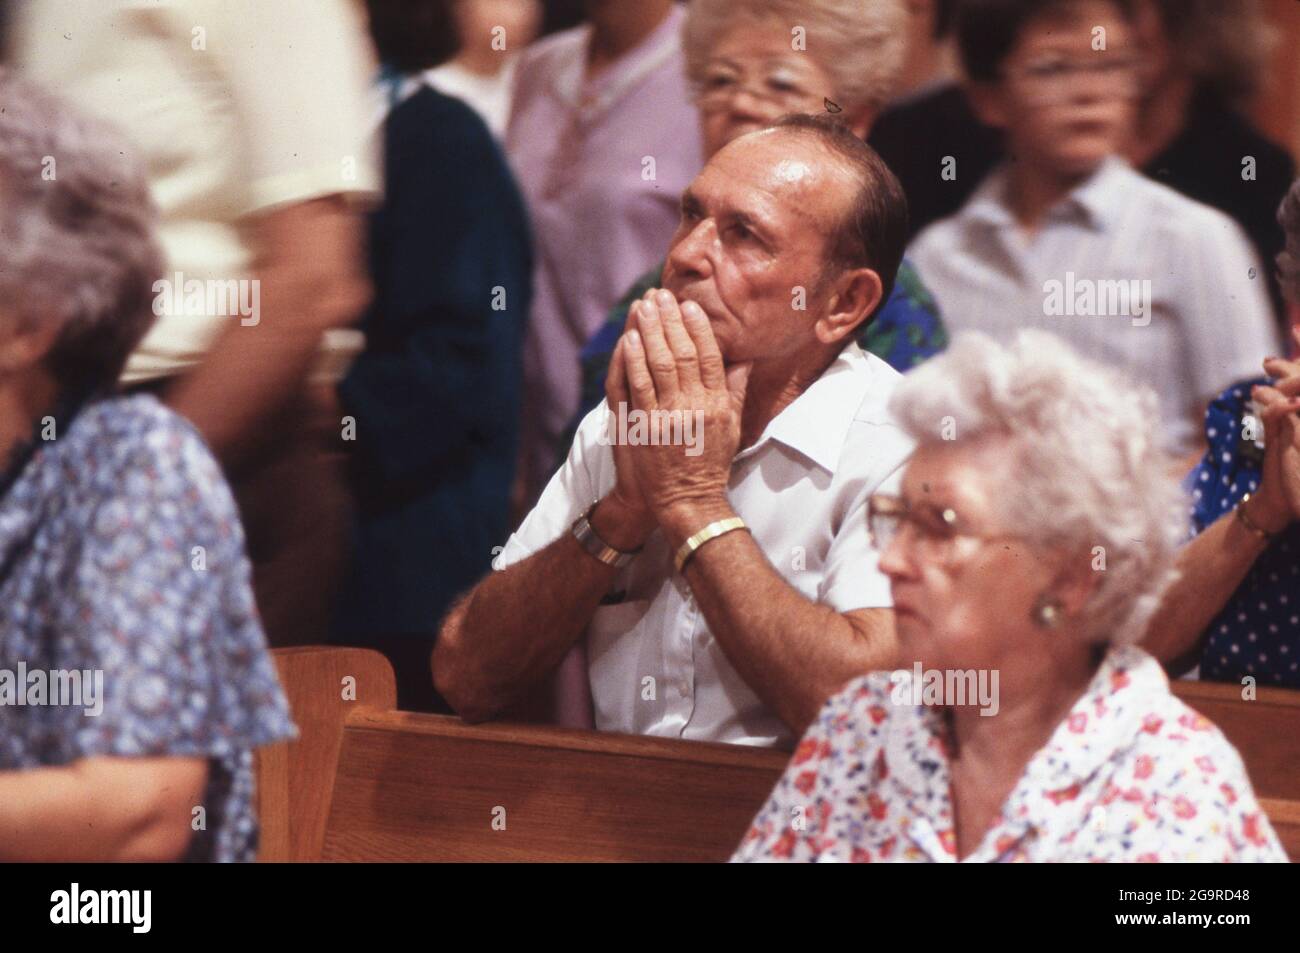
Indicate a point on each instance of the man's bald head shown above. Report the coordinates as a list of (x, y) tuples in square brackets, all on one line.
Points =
[(872, 230), (789, 240)]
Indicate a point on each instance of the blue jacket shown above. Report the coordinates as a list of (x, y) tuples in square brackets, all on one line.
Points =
[(436, 392)]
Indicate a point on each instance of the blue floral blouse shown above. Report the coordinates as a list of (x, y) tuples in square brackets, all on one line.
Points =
[(1257, 633), (121, 551)]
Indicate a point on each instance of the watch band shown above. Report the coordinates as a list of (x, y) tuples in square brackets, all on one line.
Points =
[(1244, 518), (587, 537), (712, 531)]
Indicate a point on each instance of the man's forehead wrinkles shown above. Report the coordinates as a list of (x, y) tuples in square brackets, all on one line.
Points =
[(778, 191)]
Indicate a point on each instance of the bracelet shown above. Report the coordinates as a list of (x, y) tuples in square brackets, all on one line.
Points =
[(586, 536), (712, 531), (1247, 522)]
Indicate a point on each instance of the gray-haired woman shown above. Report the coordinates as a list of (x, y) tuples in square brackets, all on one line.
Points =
[(1034, 530), (134, 676)]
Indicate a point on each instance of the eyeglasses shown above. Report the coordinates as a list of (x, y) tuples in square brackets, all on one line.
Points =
[(1052, 80), (779, 86), (937, 530)]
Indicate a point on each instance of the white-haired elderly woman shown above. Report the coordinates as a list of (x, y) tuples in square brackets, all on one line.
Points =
[(1023, 724), (134, 675)]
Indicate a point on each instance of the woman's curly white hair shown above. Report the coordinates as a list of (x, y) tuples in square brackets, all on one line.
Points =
[(860, 43), (1086, 457), (77, 242)]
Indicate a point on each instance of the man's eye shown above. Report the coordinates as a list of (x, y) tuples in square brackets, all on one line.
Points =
[(780, 84), (741, 232), (717, 82)]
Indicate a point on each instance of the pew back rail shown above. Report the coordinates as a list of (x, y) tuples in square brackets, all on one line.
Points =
[(365, 782)]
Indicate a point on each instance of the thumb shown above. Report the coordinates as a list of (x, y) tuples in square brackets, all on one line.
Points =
[(738, 383)]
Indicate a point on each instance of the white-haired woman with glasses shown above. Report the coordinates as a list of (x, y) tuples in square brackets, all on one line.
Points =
[(1034, 530), (134, 676)]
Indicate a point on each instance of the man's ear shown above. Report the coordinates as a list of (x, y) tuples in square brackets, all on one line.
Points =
[(855, 295), (987, 102), (23, 348)]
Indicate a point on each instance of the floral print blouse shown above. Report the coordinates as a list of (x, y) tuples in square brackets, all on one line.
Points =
[(121, 551), (1131, 774)]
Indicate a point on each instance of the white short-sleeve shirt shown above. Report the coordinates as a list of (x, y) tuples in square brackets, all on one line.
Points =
[(1128, 271), (802, 488)]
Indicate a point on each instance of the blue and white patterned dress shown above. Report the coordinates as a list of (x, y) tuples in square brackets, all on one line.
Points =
[(1257, 633), (121, 550)]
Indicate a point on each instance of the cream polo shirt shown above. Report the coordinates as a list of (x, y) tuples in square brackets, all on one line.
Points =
[(802, 488), (236, 107)]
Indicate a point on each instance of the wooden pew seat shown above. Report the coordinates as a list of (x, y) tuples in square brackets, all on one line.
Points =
[(560, 794), (1266, 731), (365, 782), (295, 779)]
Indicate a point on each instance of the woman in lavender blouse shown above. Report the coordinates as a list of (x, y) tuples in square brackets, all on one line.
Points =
[(603, 138)]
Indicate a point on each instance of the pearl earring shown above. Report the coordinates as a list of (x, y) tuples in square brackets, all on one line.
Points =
[(1047, 613)]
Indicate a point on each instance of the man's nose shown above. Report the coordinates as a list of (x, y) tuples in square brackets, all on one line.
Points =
[(690, 255)]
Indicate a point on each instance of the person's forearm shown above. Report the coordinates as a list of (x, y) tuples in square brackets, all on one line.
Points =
[(98, 810), (793, 652), (307, 279), (516, 625), (1210, 567)]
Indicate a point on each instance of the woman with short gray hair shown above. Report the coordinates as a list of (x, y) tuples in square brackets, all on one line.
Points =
[(853, 51), (1032, 535), (134, 676)]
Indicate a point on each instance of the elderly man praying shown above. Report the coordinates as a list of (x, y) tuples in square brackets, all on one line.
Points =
[(723, 590)]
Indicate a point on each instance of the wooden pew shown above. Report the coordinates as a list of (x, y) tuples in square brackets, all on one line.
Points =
[(295, 779), (563, 795), (1285, 818), (1266, 731), (365, 782)]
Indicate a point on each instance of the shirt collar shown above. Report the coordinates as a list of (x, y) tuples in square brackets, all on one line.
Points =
[(1104, 722), (816, 423), (1098, 201), (1102, 196), (989, 205), (595, 97)]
